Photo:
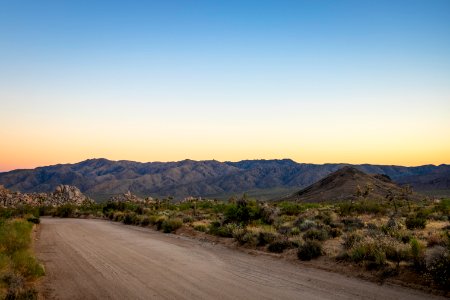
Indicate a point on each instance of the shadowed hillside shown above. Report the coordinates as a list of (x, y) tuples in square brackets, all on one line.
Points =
[(343, 185)]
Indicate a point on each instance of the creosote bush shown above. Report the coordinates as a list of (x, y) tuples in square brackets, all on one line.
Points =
[(415, 222), (170, 225), (316, 234), (279, 246), (310, 249)]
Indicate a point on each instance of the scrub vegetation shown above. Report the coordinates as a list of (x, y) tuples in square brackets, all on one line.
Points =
[(385, 238)]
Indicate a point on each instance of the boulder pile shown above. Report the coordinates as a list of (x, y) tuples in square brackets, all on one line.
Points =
[(63, 194)]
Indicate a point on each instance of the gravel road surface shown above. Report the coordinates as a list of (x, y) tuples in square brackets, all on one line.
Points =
[(95, 259)]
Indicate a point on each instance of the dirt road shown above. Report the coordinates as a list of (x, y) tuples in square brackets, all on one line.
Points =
[(94, 259)]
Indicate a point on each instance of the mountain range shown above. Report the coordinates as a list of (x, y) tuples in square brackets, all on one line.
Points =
[(266, 179)]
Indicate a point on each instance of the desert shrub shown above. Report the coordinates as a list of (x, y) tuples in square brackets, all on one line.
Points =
[(145, 221), (443, 207), (345, 208), (268, 214), (415, 222), (157, 221), (170, 225), (353, 223), (350, 239), (24, 263), (64, 211), (290, 208), (325, 217), (284, 229), (201, 227), (307, 224), (238, 234), (279, 246), (361, 207), (34, 220), (215, 228), (438, 266), (396, 253), (243, 212), (250, 238), (417, 254), (370, 207), (334, 232), (309, 250), (370, 252), (294, 231), (266, 237), (128, 219), (316, 234), (119, 216), (15, 236), (436, 239), (17, 288), (188, 219)]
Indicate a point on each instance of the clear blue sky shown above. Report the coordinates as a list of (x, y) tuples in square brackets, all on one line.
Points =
[(309, 80)]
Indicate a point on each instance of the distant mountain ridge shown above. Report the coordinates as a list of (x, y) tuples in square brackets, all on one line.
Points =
[(99, 178)]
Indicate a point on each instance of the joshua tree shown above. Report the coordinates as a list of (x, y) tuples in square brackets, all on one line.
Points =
[(362, 194), (194, 200), (391, 197), (406, 192)]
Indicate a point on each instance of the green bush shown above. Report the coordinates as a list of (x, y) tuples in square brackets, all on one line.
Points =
[(334, 232), (307, 224), (370, 252), (15, 236), (17, 288), (24, 263), (170, 225), (279, 246), (250, 238), (415, 222), (316, 234), (201, 227), (238, 233), (157, 221), (145, 221), (439, 269), (417, 254), (215, 228), (444, 207), (129, 218), (266, 237), (309, 250), (34, 220), (353, 223), (64, 211)]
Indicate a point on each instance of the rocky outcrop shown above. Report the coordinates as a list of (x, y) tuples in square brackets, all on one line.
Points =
[(127, 197), (69, 194), (64, 194)]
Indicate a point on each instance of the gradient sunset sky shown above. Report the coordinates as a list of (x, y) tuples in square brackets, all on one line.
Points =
[(314, 81)]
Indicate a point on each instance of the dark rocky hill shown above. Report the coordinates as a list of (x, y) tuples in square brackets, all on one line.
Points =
[(343, 184), (100, 178)]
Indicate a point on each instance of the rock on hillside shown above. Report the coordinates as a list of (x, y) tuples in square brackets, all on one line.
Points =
[(343, 184), (63, 194)]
